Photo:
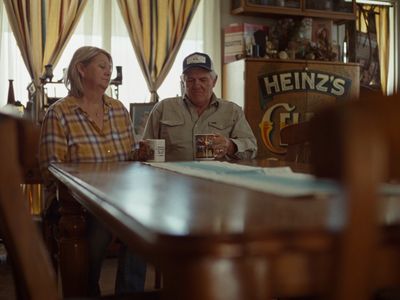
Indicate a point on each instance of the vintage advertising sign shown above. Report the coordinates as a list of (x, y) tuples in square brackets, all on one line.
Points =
[(272, 84), (275, 93), (292, 96)]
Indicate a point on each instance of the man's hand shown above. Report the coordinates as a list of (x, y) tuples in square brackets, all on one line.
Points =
[(223, 146)]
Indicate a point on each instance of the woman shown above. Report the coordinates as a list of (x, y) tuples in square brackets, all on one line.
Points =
[(89, 126)]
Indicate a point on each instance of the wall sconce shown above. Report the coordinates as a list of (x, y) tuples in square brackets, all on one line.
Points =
[(48, 73), (118, 79)]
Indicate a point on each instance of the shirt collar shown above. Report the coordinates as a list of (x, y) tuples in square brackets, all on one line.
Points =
[(74, 102), (214, 101)]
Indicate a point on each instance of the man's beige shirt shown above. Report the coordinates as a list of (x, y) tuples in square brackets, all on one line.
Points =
[(176, 120)]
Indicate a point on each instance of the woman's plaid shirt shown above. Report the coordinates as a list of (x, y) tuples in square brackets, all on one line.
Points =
[(70, 135)]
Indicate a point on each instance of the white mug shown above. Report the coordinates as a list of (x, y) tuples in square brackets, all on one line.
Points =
[(157, 150)]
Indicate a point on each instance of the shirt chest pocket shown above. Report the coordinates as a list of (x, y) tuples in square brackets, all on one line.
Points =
[(223, 127), (81, 152), (172, 131)]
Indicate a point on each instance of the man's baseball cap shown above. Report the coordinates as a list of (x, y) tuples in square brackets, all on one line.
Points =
[(199, 60)]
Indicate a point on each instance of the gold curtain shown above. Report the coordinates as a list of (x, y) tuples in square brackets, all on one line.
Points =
[(382, 31), (42, 29), (156, 29), (382, 35)]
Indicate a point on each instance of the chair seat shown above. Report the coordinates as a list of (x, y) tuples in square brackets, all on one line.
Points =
[(296, 137)]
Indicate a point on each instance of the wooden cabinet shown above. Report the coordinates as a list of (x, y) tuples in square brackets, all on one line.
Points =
[(276, 93), (330, 9), (341, 13)]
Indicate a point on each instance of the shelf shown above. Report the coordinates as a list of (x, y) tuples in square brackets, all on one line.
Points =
[(300, 61), (263, 10), (52, 82), (333, 15), (338, 10)]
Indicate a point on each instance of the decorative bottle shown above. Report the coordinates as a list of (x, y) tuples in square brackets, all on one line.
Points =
[(11, 97)]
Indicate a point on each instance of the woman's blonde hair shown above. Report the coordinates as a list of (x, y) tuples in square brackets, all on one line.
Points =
[(83, 55)]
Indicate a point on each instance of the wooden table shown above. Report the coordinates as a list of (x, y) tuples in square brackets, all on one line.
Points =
[(210, 240)]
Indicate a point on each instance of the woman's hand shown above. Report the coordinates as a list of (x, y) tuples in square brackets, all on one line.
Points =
[(142, 152)]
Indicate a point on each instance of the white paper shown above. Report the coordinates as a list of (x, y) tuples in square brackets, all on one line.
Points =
[(281, 181)]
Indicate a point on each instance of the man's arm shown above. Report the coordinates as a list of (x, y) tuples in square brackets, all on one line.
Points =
[(243, 138)]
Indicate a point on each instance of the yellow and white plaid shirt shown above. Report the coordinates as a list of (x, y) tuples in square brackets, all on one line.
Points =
[(70, 135)]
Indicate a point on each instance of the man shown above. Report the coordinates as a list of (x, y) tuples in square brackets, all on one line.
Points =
[(199, 111)]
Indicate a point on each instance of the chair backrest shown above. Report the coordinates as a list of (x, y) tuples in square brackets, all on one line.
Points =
[(33, 271), (28, 158), (296, 136), (358, 144), (139, 114)]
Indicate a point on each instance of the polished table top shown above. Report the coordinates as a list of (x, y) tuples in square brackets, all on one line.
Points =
[(212, 232), (160, 205)]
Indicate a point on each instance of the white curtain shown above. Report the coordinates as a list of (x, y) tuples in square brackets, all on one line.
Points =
[(212, 40), (102, 25), (11, 62), (1, 22)]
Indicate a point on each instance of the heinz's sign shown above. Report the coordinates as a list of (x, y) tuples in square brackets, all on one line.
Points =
[(307, 80), (298, 84)]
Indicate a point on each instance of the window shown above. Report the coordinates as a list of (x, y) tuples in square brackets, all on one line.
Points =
[(101, 25), (11, 62), (393, 69)]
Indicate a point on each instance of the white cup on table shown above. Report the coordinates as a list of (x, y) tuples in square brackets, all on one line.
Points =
[(157, 150)]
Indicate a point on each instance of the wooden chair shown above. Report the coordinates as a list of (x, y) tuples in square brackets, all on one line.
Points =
[(296, 137), (358, 144), (33, 271), (34, 274)]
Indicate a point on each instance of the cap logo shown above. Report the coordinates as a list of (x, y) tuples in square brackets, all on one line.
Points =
[(196, 59)]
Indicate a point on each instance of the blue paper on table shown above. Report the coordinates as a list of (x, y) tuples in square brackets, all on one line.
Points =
[(280, 181)]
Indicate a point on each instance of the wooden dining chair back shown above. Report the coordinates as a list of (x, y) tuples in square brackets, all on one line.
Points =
[(32, 269), (358, 144), (296, 137)]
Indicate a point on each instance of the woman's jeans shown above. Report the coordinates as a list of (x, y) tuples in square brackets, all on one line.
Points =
[(131, 271)]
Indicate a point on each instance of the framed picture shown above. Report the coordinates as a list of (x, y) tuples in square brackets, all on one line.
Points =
[(31, 89), (367, 56), (139, 113)]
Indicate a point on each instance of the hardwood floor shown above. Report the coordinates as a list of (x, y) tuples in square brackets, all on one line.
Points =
[(7, 291), (107, 278)]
